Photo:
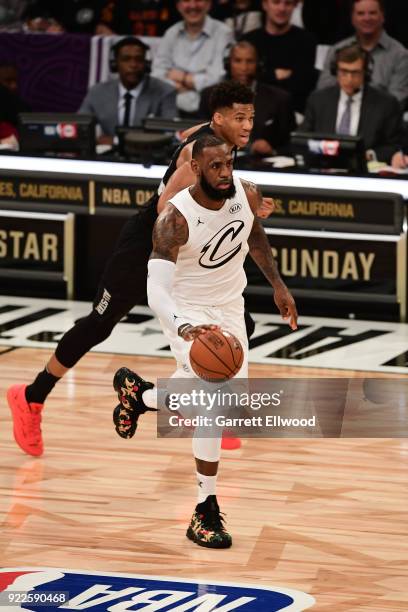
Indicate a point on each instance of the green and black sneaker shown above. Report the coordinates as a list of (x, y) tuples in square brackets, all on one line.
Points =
[(206, 527)]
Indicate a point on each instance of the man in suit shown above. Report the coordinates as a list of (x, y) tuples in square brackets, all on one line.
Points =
[(132, 97), (274, 116), (352, 107), (389, 57)]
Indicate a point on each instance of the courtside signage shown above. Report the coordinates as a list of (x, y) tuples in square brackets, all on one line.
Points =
[(47, 589)]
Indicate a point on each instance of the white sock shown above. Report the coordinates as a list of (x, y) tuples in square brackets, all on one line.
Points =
[(206, 486), (206, 449)]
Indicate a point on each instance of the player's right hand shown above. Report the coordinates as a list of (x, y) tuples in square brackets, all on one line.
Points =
[(191, 332), (286, 304), (266, 208)]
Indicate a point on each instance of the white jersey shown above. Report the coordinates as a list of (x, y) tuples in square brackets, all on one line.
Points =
[(210, 266)]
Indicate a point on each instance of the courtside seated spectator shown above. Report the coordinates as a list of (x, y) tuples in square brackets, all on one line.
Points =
[(274, 117), (389, 57), (133, 96), (352, 107), (287, 53), (190, 54)]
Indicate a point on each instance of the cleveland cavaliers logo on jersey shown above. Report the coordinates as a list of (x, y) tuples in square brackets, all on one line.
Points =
[(216, 252)]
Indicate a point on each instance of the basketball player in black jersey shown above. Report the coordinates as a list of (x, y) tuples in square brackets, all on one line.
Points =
[(123, 282)]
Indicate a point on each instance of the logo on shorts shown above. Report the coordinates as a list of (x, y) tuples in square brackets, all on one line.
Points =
[(104, 303), (234, 208), (100, 592)]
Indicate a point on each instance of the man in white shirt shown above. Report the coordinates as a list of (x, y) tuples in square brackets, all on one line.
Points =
[(132, 97), (190, 54), (352, 107)]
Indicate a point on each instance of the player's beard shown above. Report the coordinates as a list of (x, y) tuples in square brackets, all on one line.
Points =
[(216, 194)]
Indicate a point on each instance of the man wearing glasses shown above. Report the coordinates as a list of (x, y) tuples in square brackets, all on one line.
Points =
[(353, 108)]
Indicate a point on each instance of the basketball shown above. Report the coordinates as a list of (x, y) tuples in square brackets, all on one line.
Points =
[(216, 356)]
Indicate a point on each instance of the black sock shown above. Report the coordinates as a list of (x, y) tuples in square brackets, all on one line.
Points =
[(41, 387)]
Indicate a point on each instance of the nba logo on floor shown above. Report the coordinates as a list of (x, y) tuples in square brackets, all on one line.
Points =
[(103, 592)]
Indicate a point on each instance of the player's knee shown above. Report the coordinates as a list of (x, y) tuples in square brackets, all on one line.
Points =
[(100, 327)]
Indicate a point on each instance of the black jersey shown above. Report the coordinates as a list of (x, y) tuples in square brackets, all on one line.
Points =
[(202, 131)]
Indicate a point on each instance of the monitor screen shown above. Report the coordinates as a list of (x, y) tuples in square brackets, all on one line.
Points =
[(57, 134), (326, 152)]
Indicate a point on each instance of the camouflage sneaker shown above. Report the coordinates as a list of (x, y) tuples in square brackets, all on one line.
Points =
[(130, 388), (206, 527)]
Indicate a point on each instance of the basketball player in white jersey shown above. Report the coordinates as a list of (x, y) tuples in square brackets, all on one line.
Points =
[(195, 283)]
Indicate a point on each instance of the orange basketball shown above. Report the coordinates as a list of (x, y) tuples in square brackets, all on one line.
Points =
[(216, 356)]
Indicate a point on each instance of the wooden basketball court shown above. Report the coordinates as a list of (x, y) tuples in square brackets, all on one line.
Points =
[(327, 517)]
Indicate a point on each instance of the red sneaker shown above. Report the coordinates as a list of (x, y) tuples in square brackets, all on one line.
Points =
[(229, 442), (27, 421)]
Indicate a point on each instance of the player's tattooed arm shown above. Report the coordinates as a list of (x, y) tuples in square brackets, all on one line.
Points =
[(263, 206), (170, 232), (253, 194), (261, 253)]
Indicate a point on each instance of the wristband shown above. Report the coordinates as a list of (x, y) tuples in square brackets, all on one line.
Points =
[(182, 328)]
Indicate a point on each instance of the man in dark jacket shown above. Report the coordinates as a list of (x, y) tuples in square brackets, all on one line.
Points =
[(132, 97), (354, 108), (286, 52)]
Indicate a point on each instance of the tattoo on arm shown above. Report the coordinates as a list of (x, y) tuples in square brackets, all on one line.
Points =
[(251, 187), (170, 232), (254, 195), (260, 251)]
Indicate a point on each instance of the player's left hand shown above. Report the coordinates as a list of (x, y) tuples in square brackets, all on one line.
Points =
[(286, 304), (266, 208)]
